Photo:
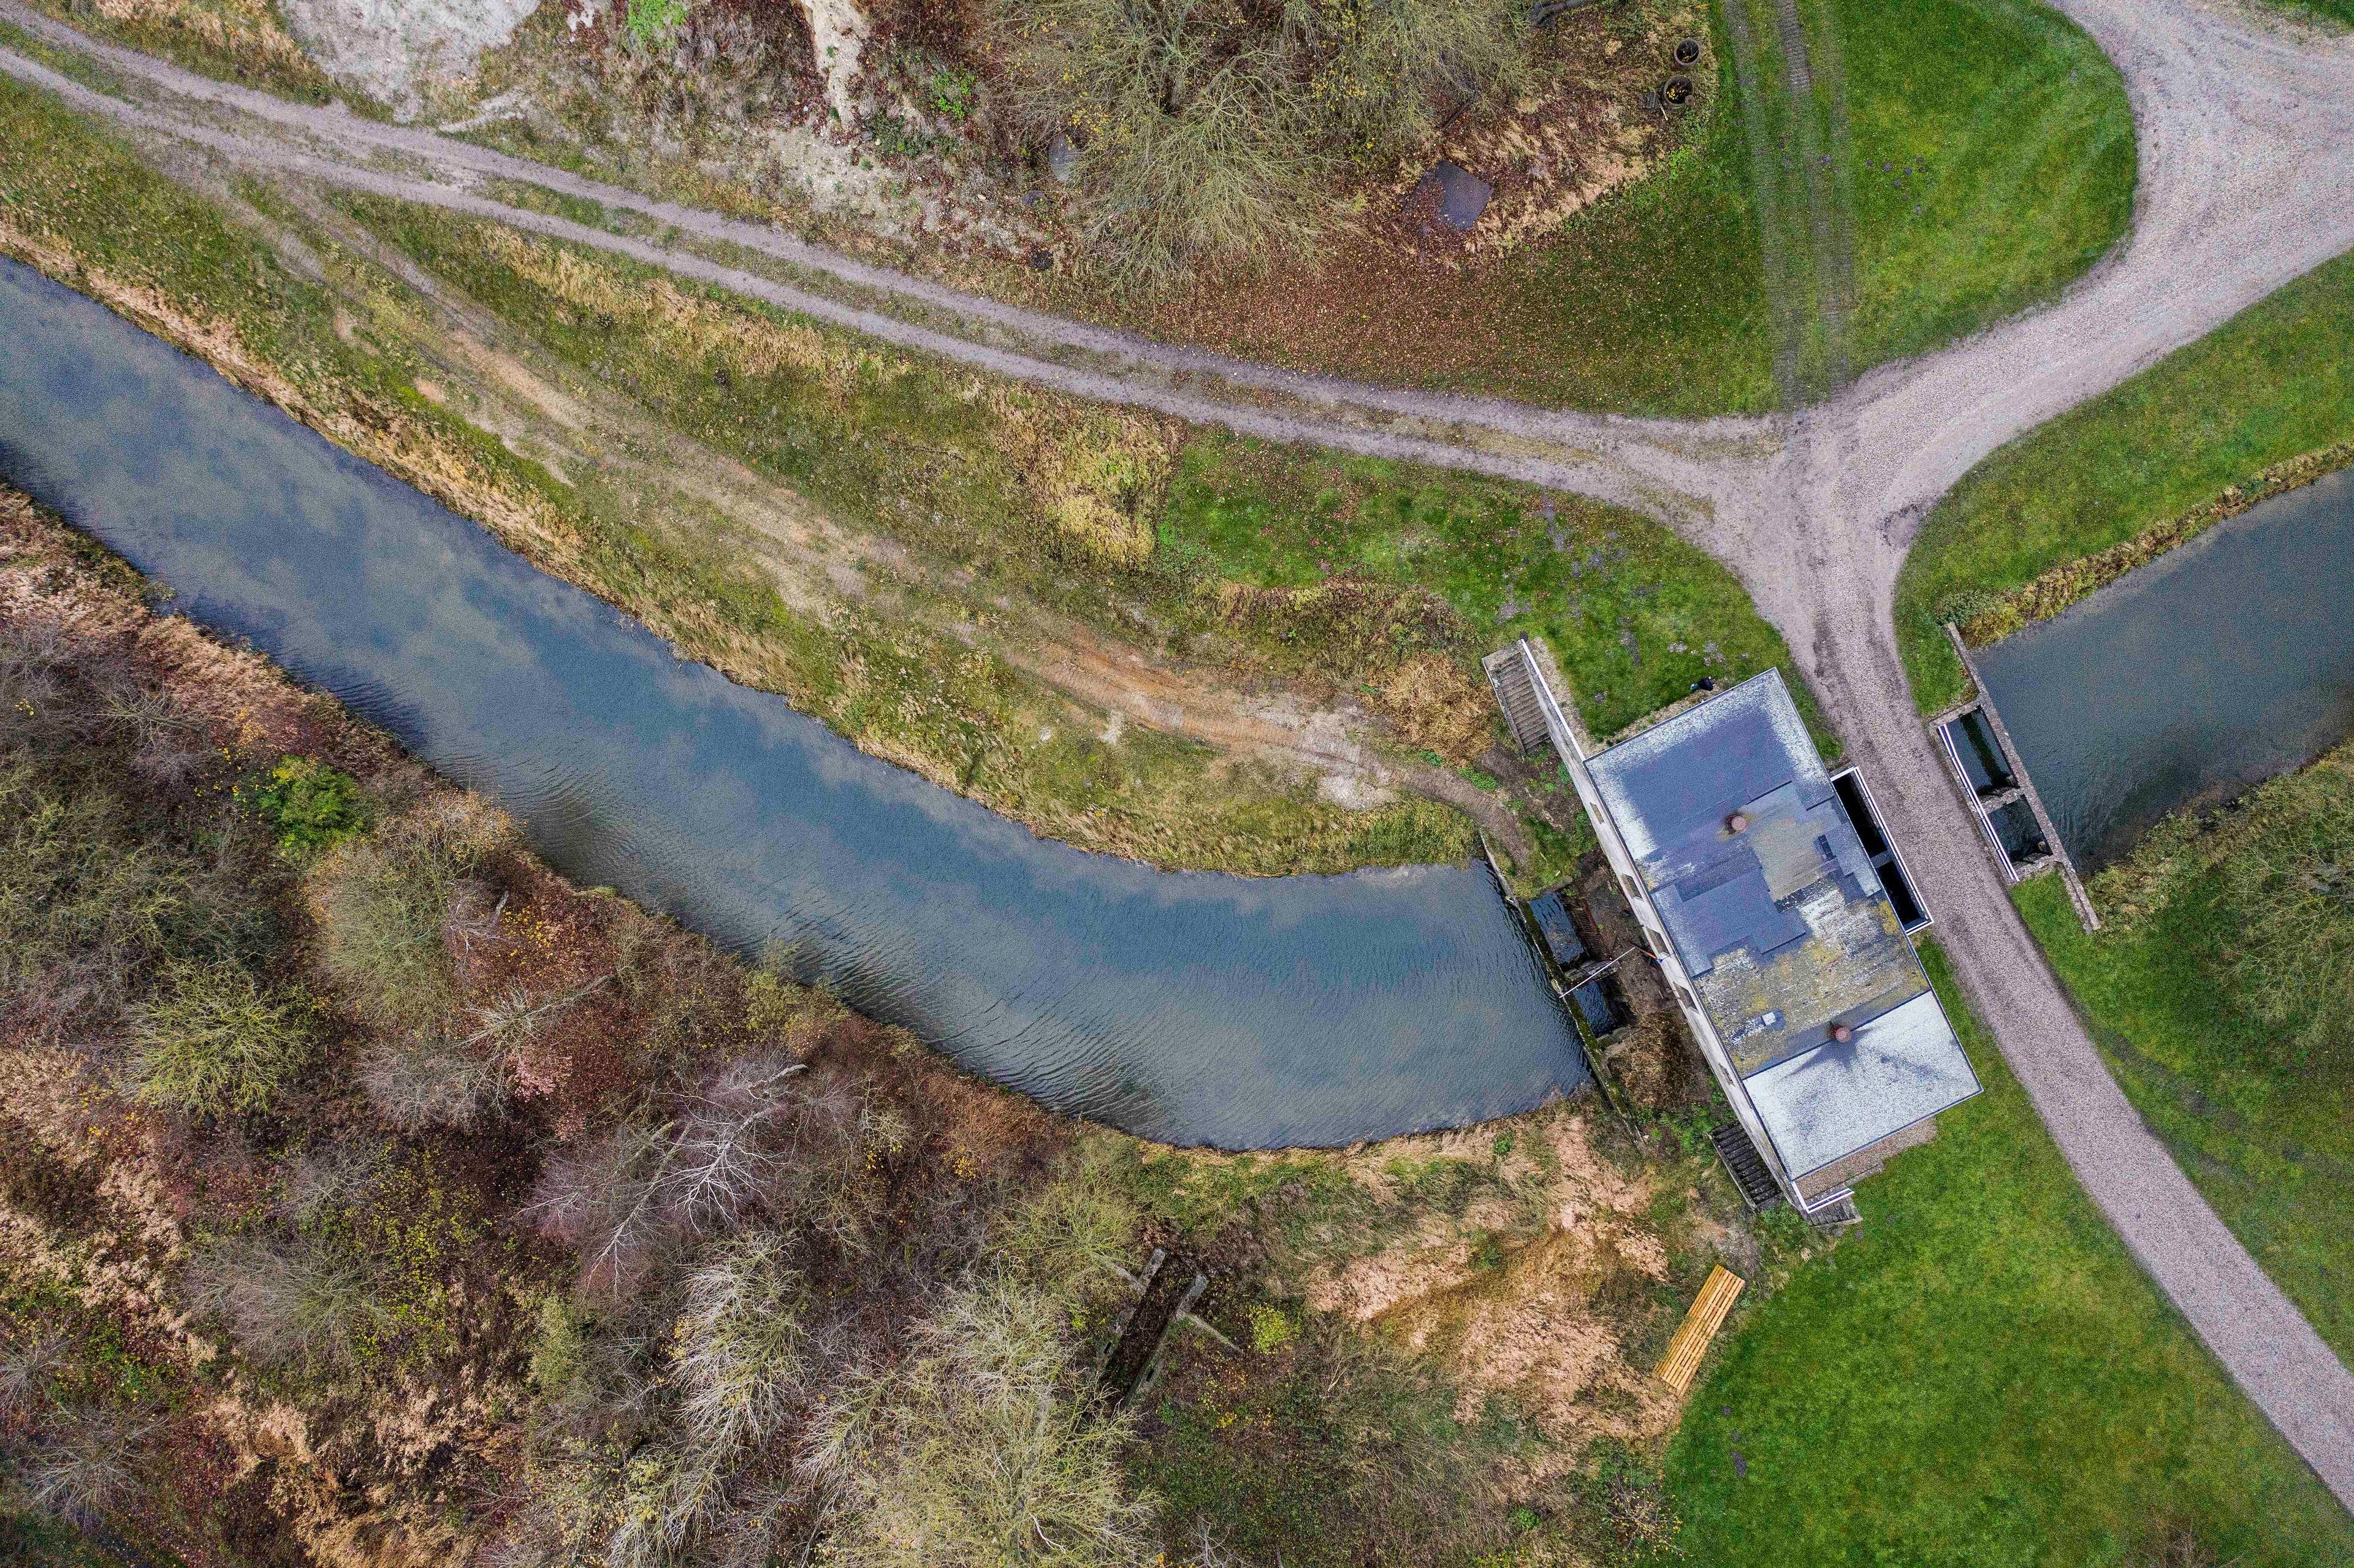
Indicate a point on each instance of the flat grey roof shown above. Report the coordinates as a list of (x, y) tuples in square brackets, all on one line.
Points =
[(1782, 926), (1822, 1105)]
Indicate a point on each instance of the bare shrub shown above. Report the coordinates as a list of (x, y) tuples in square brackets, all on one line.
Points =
[(1075, 1230), (978, 1449), (739, 1354), (215, 1040), (30, 1364), (427, 1081), (84, 908), (1216, 132), (604, 1200), (289, 1303), (83, 1465)]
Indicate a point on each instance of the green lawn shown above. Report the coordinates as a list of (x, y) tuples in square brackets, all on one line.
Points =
[(1993, 152), (2340, 12), (1634, 614), (2273, 384), (2259, 1111), (1981, 1377)]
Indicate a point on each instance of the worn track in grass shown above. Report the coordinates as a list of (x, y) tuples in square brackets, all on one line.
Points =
[(2246, 138)]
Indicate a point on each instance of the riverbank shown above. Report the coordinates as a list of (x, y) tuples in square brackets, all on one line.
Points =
[(2221, 988), (417, 1242), (1124, 706), (2262, 404)]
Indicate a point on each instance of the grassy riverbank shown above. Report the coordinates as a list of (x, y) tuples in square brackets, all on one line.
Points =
[(981, 581), (2221, 988), (1991, 159), (2263, 401), (293, 314), (1981, 1374)]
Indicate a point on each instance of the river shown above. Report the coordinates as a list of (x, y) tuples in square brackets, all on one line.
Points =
[(2218, 665), (1191, 1007)]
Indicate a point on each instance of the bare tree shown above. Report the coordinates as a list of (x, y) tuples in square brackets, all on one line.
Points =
[(733, 1141), (739, 1353), (606, 1203)]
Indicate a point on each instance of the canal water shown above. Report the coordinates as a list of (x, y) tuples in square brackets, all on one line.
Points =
[(2215, 667), (1191, 1007)]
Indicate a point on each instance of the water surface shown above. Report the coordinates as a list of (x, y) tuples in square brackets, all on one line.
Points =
[(2213, 668), (1187, 1006)]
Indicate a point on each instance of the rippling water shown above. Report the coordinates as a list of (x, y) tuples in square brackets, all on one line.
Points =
[(2215, 667), (1186, 1006)]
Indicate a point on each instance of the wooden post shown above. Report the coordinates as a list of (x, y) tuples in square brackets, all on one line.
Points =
[(1700, 1326)]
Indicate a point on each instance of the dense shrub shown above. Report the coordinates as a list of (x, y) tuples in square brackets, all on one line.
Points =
[(980, 1447), (384, 903), (308, 805), (215, 1040), (1219, 131), (112, 865)]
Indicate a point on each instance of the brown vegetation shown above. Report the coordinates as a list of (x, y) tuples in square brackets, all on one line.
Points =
[(566, 1237)]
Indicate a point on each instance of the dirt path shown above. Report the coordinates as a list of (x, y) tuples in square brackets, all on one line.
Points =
[(2247, 181)]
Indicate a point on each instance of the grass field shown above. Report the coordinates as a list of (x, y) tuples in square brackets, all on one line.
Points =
[(2178, 985), (1981, 1376), (1993, 161), (1634, 614), (2270, 387)]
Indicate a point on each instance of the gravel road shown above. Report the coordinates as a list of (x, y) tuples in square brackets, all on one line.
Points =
[(2247, 135)]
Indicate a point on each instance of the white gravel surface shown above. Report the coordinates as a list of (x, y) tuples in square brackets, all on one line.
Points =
[(2246, 132)]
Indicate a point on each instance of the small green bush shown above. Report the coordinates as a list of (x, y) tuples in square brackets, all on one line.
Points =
[(559, 1349), (309, 806), (1271, 1328), (216, 1040)]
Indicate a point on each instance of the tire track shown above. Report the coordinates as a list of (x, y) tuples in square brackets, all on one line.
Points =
[(1783, 306)]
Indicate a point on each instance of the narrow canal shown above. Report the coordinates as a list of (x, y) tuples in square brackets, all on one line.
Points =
[(2213, 668), (1184, 1006)]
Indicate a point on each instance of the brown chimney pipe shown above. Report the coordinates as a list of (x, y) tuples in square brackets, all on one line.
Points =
[(1842, 1033)]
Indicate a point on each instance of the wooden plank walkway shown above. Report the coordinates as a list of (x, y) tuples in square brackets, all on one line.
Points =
[(1700, 1326)]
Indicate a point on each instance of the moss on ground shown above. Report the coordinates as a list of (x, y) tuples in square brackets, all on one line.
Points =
[(1982, 1375), (2194, 437)]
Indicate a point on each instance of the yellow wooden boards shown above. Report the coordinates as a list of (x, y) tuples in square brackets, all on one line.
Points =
[(1700, 1326)]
